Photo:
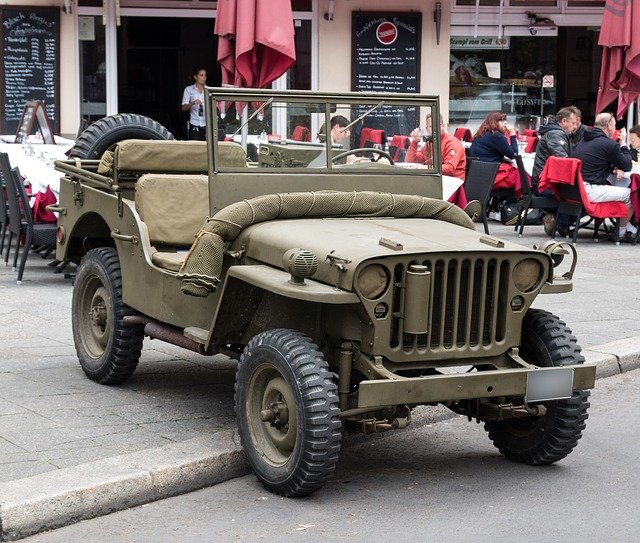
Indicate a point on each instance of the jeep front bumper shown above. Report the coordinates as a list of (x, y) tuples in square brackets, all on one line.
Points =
[(534, 385)]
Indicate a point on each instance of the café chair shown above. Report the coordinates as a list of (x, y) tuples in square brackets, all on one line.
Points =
[(562, 176), (398, 147), (4, 215), (478, 185), (529, 199), (372, 136), (463, 134), (532, 144), (301, 133), (21, 223)]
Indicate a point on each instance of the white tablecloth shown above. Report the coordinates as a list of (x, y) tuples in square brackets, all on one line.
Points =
[(449, 184), (37, 168)]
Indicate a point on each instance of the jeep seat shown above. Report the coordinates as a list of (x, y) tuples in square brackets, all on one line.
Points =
[(133, 158), (173, 207)]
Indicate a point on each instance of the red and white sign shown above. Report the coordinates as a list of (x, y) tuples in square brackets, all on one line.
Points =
[(386, 33), (548, 81)]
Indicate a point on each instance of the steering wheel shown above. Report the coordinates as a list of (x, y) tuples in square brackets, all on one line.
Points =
[(381, 153)]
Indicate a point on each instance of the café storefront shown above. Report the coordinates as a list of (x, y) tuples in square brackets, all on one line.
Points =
[(136, 55)]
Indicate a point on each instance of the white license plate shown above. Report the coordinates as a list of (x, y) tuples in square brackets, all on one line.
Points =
[(549, 384)]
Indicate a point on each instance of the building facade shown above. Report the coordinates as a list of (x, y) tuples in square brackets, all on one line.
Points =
[(527, 58)]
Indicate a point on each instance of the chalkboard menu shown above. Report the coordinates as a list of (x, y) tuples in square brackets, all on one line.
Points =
[(30, 43), (386, 58)]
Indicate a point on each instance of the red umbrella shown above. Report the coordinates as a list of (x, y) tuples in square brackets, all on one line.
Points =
[(620, 68), (256, 44)]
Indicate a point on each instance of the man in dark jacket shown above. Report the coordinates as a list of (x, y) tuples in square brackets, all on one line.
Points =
[(554, 141), (600, 155)]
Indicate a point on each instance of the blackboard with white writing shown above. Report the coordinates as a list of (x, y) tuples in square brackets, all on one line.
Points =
[(386, 58), (30, 43)]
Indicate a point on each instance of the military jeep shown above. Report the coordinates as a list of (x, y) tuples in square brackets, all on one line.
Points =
[(347, 286)]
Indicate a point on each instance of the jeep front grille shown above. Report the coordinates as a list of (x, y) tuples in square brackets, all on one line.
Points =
[(467, 305)]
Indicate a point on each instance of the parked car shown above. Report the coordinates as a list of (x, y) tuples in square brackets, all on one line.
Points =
[(349, 291)]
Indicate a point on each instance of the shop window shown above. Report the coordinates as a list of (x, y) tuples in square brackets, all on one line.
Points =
[(301, 5), (501, 74), (534, 3), (512, 3)]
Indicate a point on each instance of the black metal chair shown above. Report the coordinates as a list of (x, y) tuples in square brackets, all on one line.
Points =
[(4, 214), (478, 185), (529, 199), (21, 223)]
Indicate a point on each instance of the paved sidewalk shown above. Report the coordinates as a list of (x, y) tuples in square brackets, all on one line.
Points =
[(73, 449)]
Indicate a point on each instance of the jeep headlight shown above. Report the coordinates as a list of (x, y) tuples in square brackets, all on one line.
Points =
[(527, 274), (372, 281)]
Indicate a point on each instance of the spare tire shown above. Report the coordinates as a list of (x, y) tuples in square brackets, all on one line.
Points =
[(103, 134)]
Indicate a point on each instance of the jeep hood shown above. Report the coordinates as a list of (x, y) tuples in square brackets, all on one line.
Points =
[(351, 241)]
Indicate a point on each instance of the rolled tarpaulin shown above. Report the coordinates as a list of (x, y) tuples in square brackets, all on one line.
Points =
[(200, 273)]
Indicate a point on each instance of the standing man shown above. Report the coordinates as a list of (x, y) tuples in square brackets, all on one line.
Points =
[(600, 155), (554, 141), (454, 159), (193, 101)]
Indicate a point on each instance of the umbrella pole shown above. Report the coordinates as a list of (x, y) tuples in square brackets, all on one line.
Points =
[(244, 133)]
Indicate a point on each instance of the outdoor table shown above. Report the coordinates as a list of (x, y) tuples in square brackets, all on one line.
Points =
[(452, 187), (37, 168)]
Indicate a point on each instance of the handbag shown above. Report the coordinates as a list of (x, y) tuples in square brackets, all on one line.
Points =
[(510, 214)]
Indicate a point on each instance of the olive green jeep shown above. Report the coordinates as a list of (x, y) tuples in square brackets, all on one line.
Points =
[(347, 286)]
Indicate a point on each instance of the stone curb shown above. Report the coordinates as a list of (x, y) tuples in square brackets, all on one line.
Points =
[(54, 499), (616, 357)]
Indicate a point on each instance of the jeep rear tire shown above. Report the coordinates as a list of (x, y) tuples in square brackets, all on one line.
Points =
[(546, 341), (287, 410), (103, 134), (107, 349)]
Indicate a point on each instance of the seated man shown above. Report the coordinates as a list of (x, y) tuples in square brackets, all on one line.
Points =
[(338, 131), (454, 160), (600, 155), (554, 141)]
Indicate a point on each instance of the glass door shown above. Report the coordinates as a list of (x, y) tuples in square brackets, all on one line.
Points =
[(93, 68)]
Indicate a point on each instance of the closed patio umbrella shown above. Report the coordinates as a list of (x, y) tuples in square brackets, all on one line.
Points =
[(620, 68), (256, 44)]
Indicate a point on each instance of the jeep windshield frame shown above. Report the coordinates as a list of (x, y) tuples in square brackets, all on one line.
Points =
[(274, 112)]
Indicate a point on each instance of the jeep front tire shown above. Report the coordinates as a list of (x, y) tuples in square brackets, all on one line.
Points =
[(546, 341), (287, 409)]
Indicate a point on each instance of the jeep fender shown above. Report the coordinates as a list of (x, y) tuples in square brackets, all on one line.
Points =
[(260, 297)]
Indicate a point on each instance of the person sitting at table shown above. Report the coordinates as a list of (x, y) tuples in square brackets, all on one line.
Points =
[(554, 141), (494, 141), (578, 133), (454, 160), (600, 155), (337, 130)]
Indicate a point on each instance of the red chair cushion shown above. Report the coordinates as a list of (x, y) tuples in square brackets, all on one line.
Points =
[(567, 170), (463, 134)]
